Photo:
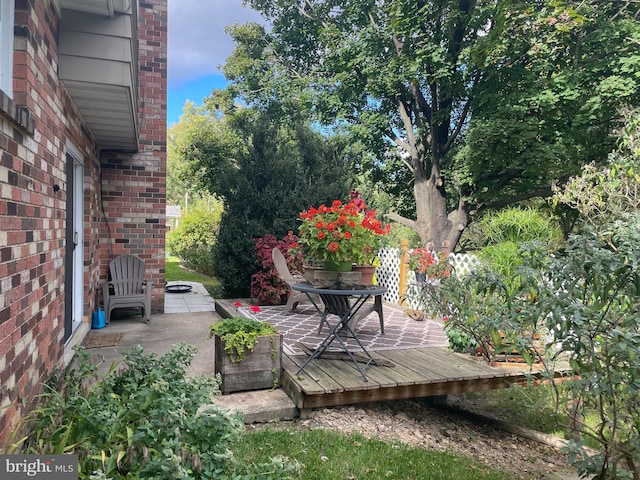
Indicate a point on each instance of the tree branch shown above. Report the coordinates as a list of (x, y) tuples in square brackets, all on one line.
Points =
[(543, 192), (407, 222)]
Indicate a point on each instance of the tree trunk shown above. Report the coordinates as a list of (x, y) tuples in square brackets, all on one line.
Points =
[(433, 224)]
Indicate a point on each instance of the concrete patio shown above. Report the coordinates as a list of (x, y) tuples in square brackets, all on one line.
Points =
[(187, 318)]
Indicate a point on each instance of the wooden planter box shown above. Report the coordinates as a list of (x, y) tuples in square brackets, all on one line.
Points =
[(258, 370)]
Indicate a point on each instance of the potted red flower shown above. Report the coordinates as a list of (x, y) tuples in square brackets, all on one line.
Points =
[(341, 234), (427, 264)]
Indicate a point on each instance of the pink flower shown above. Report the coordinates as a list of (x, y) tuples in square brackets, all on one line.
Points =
[(237, 304), (445, 319), (256, 309)]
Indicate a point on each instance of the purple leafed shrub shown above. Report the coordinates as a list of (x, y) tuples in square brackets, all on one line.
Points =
[(266, 285)]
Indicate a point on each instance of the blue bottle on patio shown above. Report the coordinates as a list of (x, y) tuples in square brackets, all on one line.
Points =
[(98, 319)]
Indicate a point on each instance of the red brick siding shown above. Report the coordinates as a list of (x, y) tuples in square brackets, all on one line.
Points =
[(134, 186), (35, 126)]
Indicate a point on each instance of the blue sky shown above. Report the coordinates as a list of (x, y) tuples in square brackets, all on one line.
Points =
[(198, 46), (194, 90)]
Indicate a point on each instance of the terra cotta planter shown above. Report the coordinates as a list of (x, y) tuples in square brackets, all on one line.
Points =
[(367, 271)]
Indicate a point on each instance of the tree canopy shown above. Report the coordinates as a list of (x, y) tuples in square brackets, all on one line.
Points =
[(266, 166), (484, 103)]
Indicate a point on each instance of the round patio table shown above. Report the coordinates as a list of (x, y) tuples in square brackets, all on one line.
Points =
[(343, 301)]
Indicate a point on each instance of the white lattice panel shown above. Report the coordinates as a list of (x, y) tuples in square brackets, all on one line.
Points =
[(388, 273), (463, 263)]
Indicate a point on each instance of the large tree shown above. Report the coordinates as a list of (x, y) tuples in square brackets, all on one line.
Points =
[(197, 126), (488, 102)]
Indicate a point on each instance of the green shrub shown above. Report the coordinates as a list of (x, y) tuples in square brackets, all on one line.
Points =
[(234, 259), (509, 232), (194, 238), (516, 224), (589, 299), (143, 420), (585, 300), (482, 312)]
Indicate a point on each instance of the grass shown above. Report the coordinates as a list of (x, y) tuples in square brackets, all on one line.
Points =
[(174, 272), (530, 407), (328, 454)]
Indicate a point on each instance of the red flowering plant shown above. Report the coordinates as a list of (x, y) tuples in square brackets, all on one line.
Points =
[(432, 265), (342, 232), (266, 284)]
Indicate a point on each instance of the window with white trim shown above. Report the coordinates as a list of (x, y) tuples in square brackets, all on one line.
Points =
[(6, 47)]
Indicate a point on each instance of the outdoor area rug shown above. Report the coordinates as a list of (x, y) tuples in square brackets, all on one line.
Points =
[(400, 331), (99, 340)]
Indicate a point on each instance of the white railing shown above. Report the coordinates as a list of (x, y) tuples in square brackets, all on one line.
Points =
[(388, 275)]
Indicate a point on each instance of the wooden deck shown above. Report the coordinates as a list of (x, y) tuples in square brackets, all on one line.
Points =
[(424, 371), (417, 372)]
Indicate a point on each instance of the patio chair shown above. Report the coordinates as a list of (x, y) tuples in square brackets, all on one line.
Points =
[(283, 272), (127, 287), (374, 305)]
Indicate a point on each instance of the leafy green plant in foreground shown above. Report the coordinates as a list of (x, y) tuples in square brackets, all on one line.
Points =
[(590, 301), (585, 302), (143, 420)]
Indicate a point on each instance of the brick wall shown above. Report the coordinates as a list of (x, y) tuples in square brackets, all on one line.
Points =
[(134, 186), (129, 189), (32, 211)]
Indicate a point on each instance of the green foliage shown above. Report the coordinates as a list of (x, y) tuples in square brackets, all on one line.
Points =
[(142, 420), (400, 232), (585, 300), (603, 194), (459, 341), (504, 257), (196, 134), (531, 126), (518, 224), (328, 454), (194, 238), (233, 259), (283, 169), (483, 311), (589, 300), (467, 106), (506, 231), (240, 334)]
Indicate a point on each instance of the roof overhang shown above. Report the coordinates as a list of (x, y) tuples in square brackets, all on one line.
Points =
[(99, 67)]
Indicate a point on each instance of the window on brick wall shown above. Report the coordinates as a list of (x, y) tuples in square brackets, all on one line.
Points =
[(6, 47)]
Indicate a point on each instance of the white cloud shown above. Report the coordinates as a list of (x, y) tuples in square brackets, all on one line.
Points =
[(197, 41)]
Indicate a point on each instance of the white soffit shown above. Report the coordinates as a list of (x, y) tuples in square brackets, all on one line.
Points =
[(97, 7)]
